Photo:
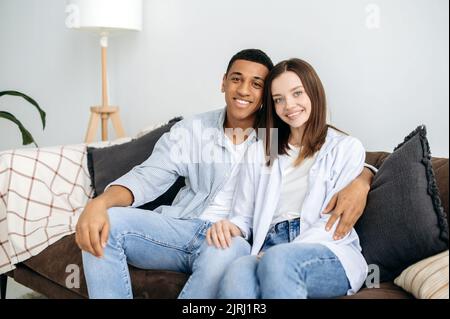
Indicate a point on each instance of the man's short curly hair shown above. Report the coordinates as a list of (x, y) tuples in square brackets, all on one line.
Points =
[(253, 55)]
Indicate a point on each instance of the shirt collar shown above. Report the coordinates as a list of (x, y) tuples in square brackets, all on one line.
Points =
[(220, 137)]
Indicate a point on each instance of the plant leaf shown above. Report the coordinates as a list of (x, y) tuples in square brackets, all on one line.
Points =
[(30, 100), (27, 138)]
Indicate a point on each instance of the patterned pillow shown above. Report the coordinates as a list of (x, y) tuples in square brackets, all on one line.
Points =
[(427, 279)]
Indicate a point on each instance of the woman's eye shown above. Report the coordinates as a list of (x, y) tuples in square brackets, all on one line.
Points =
[(277, 100), (298, 93)]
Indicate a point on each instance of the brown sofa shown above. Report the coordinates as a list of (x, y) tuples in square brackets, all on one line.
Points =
[(46, 272)]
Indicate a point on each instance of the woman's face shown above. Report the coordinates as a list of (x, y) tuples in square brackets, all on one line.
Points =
[(292, 104)]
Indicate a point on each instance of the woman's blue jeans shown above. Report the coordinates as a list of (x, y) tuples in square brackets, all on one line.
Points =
[(286, 269)]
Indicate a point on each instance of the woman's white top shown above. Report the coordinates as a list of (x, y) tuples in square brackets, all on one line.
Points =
[(294, 186), (258, 193)]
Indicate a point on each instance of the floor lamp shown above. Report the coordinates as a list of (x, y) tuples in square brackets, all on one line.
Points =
[(104, 17)]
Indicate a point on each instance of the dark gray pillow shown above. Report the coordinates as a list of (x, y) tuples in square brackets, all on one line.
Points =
[(404, 221), (109, 163)]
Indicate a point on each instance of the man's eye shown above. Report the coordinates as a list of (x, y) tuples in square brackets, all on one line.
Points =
[(235, 79), (257, 85)]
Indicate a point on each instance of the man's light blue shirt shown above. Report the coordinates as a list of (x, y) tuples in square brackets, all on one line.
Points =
[(186, 151)]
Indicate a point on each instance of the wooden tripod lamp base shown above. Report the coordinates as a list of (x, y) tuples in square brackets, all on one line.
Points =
[(104, 113)]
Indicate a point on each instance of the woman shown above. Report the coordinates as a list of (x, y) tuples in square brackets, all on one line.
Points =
[(284, 186)]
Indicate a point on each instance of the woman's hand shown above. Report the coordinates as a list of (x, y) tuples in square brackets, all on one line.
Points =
[(220, 233)]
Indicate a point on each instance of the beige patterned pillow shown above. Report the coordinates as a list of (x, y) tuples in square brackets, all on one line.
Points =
[(427, 279)]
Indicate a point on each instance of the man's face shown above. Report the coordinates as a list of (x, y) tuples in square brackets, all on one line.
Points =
[(243, 87)]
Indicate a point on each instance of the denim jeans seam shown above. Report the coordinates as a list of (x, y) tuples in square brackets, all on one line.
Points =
[(125, 275), (147, 238), (185, 288), (194, 253), (195, 243), (125, 270)]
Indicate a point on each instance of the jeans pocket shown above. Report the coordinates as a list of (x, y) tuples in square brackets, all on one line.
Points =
[(269, 241)]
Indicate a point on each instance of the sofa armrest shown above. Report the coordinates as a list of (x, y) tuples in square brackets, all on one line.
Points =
[(42, 192)]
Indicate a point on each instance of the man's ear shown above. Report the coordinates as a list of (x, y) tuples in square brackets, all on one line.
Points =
[(222, 89)]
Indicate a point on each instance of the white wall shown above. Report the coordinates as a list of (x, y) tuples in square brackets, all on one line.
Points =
[(381, 83)]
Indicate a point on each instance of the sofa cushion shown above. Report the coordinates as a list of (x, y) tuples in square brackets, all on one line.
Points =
[(427, 279), (106, 164), (52, 264), (386, 290), (403, 221)]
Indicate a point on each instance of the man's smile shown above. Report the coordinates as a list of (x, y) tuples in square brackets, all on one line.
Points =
[(241, 102)]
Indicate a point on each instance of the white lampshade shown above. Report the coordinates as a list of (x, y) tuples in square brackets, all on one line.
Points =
[(106, 15)]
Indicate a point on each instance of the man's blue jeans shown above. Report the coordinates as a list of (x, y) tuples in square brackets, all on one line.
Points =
[(286, 270), (149, 240)]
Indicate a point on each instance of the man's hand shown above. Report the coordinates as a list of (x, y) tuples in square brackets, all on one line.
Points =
[(220, 233), (93, 228), (348, 204)]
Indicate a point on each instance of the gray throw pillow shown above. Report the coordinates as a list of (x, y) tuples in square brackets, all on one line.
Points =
[(109, 163), (404, 221)]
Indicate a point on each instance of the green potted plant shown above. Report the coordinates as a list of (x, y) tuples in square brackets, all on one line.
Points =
[(27, 138)]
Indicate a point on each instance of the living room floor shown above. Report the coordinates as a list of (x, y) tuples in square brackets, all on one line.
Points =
[(18, 291)]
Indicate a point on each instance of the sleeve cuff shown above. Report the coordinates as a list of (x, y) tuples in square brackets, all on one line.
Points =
[(132, 185), (372, 168), (242, 226)]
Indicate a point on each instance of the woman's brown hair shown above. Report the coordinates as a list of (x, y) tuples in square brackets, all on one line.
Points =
[(315, 128)]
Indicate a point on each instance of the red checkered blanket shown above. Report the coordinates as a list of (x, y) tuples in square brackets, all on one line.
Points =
[(42, 193)]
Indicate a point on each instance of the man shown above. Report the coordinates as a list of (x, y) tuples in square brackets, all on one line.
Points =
[(112, 232)]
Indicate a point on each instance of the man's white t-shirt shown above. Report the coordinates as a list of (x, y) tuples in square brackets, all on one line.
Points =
[(220, 206)]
